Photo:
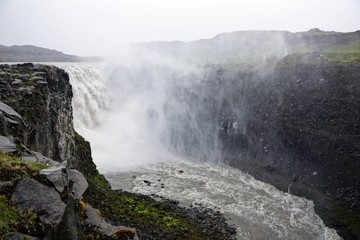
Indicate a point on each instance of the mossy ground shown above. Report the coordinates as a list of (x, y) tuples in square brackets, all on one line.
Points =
[(13, 168), (152, 219), (11, 219)]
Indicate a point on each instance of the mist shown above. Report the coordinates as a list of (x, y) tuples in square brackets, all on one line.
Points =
[(93, 27)]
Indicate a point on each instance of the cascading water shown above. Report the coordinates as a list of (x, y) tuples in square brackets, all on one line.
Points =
[(154, 118)]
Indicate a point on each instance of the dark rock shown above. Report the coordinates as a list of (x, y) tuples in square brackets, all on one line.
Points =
[(32, 195), (5, 186), (147, 182), (60, 177), (69, 227), (32, 156), (46, 108), (80, 183), (6, 146), (19, 236)]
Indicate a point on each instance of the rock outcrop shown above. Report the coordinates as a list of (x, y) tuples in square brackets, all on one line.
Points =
[(41, 95), (299, 129), (32, 195)]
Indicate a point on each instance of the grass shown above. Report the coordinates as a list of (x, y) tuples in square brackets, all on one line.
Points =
[(351, 219), (146, 215), (13, 168), (341, 57), (13, 220)]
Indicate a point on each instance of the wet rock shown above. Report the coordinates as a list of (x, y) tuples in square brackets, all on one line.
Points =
[(32, 156), (24, 91), (80, 183), (32, 195), (4, 186), (16, 82), (94, 218), (6, 146), (9, 112), (56, 176), (148, 183), (69, 227), (11, 123), (60, 178), (19, 236)]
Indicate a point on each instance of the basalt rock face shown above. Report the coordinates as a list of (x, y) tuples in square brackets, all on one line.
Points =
[(300, 131), (42, 96)]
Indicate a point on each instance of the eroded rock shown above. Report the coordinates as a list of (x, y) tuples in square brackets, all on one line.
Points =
[(32, 195), (19, 236), (6, 145), (61, 178)]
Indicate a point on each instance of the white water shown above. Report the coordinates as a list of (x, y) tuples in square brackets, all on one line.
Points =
[(123, 110)]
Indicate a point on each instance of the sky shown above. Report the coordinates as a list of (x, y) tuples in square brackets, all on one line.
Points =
[(105, 27)]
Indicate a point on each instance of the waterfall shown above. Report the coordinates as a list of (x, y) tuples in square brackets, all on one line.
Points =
[(146, 117)]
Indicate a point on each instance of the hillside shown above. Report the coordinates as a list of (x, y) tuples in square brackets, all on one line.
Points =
[(28, 53)]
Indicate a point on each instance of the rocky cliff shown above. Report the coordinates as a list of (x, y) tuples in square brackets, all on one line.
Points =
[(299, 130)]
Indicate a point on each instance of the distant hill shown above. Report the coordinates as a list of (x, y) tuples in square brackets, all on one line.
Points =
[(29, 53), (260, 47)]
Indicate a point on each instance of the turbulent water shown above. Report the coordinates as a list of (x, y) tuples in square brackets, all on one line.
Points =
[(149, 122)]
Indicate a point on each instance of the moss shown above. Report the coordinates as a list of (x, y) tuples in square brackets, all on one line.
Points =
[(13, 168), (341, 57), (98, 180), (146, 215), (12, 219), (349, 218), (351, 47)]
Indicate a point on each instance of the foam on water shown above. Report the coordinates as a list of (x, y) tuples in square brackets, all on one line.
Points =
[(257, 209)]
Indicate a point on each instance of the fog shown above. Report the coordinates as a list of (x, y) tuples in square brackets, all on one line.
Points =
[(93, 27)]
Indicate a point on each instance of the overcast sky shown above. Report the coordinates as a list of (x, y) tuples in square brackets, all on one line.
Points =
[(103, 27)]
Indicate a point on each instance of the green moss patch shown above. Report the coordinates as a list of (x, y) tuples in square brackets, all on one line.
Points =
[(347, 217), (149, 217), (12, 168), (13, 220)]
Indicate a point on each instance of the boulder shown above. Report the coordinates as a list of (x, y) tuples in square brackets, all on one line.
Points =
[(37, 157), (32, 195), (80, 183), (5, 185), (56, 176), (9, 112), (61, 178), (94, 218), (69, 227), (19, 236), (6, 146)]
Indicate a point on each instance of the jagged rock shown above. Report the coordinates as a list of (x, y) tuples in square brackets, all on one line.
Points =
[(69, 227), (32, 195), (11, 123), (6, 146), (19, 236), (80, 183), (57, 176), (94, 218), (26, 90), (44, 100), (5, 185), (38, 157), (16, 82), (10, 112)]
